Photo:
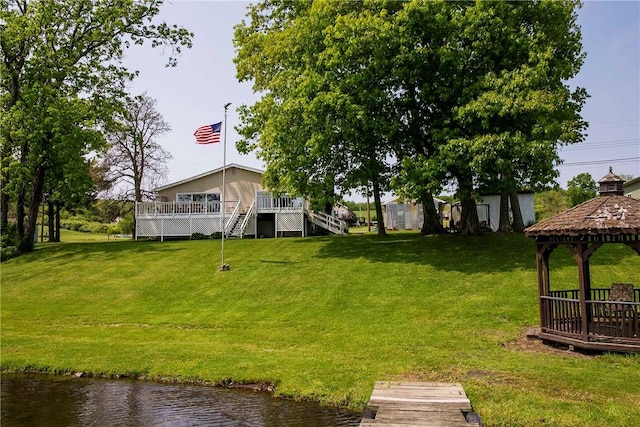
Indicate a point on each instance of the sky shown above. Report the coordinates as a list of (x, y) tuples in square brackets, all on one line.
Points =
[(194, 93)]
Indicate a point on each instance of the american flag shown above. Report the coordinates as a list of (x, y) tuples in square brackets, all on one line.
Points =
[(209, 134)]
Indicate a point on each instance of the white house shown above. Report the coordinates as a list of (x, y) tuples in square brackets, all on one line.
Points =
[(194, 205)]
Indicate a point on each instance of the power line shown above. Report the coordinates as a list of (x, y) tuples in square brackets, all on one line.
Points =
[(594, 146), (600, 162)]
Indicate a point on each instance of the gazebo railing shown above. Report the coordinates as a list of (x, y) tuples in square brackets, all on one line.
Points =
[(597, 294), (561, 315), (617, 321), (614, 319)]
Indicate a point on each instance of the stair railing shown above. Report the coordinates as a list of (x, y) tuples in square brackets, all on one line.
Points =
[(247, 218), (328, 222), (232, 219)]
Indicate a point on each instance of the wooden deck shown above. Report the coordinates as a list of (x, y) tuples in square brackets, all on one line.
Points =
[(419, 404)]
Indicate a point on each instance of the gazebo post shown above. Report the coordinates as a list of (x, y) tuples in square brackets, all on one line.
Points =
[(582, 252), (635, 246), (543, 251), (584, 280)]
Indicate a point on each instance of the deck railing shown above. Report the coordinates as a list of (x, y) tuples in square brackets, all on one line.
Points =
[(617, 321), (268, 203), (171, 209)]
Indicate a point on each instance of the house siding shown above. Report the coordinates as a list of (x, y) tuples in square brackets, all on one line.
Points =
[(632, 188), (240, 184)]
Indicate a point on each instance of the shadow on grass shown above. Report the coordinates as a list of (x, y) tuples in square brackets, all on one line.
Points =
[(490, 252), (59, 252)]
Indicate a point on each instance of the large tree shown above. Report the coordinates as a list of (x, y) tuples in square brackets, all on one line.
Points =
[(422, 100), (516, 108), (61, 76), (321, 124), (486, 82), (135, 157), (468, 92)]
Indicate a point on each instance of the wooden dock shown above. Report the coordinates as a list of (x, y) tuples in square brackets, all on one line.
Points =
[(419, 404)]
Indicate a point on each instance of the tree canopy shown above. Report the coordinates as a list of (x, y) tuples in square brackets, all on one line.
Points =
[(321, 124), (61, 79), (424, 93), (134, 156), (581, 188)]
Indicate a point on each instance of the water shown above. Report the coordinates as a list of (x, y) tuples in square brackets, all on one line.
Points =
[(43, 400)]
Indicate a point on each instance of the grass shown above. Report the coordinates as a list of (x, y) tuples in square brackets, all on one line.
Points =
[(321, 318), (69, 236)]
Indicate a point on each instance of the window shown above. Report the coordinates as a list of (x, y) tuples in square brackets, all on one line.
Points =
[(202, 202)]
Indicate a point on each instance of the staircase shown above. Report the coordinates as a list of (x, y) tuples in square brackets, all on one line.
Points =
[(328, 222), (235, 230)]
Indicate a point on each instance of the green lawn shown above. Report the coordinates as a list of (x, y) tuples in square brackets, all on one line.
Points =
[(69, 236), (321, 318)]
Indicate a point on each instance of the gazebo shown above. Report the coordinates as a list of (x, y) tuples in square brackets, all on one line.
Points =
[(593, 319)]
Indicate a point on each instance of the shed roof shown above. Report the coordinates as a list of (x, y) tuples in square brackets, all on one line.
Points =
[(603, 215)]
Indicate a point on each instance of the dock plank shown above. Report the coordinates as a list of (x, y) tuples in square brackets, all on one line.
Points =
[(418, 403)]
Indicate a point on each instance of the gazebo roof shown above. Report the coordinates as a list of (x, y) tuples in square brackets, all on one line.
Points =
[(603, 215)]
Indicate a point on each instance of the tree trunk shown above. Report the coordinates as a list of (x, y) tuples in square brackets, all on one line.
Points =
[(20, 214), (51, 222), (36, 199), (505, 224), (432, 223), (518, 224), (469, 223), (57, 227), (4, 196), (42, 223), (376, 196), (5, 159)]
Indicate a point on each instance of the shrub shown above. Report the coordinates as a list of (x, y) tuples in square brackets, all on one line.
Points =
[(126, 225), (97, 227), (75, 223), (8, 252), (25, 245), (216, 235), (8, 236), (198, 236)]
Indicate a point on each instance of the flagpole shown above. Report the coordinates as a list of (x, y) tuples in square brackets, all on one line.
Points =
[(223, 266)]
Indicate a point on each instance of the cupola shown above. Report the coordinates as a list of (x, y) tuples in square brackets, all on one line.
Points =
[(611, 184)]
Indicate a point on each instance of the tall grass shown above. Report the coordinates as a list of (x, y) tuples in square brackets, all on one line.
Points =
[(321, 318)]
